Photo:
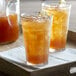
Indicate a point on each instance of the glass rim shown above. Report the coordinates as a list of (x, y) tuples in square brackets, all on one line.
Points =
[(35, 14), (55, 4)]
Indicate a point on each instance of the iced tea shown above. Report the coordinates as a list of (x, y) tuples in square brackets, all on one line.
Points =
[(59, 25), (36, 33), (9, 29)]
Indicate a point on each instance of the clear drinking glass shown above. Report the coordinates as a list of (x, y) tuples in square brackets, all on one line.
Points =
[(60, 24), (36, 33)]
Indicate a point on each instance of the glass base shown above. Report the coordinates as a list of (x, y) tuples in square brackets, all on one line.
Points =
[(37, 65), (56, 50)]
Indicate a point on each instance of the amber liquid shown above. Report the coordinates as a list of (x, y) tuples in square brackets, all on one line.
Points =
[(36, 39), (59, 27), (9, 30)]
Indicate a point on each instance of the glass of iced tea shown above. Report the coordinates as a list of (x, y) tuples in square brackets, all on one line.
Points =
[(36, 33), (59, 27)]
